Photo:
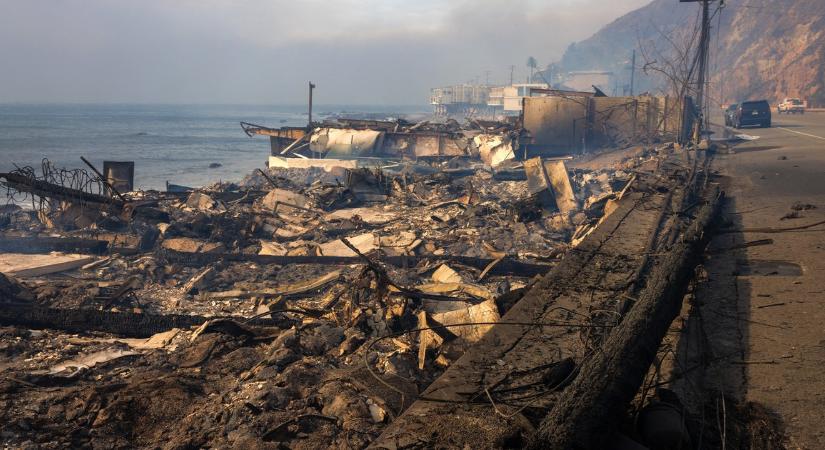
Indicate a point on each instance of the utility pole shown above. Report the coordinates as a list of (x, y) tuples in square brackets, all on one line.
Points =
[(702, 69), (311, 87), (632, 72), (486, 77), (704, 42), (512, 68)]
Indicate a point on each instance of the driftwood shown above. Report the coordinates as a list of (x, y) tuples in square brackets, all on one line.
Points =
[(589, 410)]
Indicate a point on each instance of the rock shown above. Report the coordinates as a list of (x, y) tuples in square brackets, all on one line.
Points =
[(378, 413), (200, 201)]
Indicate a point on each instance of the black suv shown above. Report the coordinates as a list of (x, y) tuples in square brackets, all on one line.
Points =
[(756, 112)]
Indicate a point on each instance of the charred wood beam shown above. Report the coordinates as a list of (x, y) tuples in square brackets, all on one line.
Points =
[(33, 245), (504, 267), (125, 324), (589, 410)]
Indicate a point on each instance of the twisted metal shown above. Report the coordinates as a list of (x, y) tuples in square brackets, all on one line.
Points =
[(78, 180)]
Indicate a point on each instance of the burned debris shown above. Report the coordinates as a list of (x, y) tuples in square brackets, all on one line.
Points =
[(314, 304)]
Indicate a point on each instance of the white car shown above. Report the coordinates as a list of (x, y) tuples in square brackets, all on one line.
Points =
[(791, 106)]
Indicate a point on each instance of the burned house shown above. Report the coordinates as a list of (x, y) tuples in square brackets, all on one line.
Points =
[(550, 123)]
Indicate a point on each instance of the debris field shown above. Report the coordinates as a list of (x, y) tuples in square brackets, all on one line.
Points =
[(311, 304)]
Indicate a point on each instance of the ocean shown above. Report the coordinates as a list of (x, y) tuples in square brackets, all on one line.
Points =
[(175, 143)]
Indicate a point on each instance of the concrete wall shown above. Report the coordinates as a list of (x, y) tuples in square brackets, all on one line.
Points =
[(556, 124), (569, 125)]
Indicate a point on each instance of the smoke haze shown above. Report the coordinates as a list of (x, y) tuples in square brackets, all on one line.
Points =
[(258, 51)]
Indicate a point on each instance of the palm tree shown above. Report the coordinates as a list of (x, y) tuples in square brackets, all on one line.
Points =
[(532, 64)]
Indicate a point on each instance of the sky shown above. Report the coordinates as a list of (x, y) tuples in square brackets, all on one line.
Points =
[(363, 52)]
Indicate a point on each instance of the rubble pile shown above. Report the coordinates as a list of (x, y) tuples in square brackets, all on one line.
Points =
[(323, 301)]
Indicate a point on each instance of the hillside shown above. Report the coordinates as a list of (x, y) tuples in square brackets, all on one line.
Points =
[(764, 49)]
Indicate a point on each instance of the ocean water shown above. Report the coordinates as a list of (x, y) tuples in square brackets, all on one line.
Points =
[(174, 143)]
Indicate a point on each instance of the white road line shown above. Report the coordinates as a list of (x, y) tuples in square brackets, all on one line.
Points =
[(803, 134)]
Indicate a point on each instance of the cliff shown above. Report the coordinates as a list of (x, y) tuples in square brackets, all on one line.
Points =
[(760, 48)]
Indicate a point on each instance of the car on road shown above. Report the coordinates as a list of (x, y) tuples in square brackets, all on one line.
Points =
[(754, 112), (791, 106), (729, 112)]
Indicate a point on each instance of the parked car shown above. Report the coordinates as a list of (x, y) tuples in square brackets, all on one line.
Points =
[(757, 112), (791, 106), (729, 112)]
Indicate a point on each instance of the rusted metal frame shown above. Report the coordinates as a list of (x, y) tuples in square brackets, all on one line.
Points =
[(48, 190)]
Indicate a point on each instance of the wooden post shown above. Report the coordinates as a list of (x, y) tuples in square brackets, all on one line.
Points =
[(311, 87)]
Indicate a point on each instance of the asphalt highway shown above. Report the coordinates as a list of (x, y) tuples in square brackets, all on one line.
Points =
[(777, 290)]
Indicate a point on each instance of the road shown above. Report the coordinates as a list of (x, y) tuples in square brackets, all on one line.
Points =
[(769, 300)]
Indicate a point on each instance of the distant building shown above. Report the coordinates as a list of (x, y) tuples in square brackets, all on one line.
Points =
[(466, 99), (508, 99)]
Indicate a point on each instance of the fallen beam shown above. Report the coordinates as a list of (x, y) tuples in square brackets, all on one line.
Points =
[(87, 320), (37, 244), (504, 267), (590, 409)]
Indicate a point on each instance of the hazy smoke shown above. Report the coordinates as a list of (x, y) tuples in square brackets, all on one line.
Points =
[(264, 51)]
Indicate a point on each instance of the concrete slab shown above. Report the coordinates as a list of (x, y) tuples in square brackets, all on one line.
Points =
[(26, 265)]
